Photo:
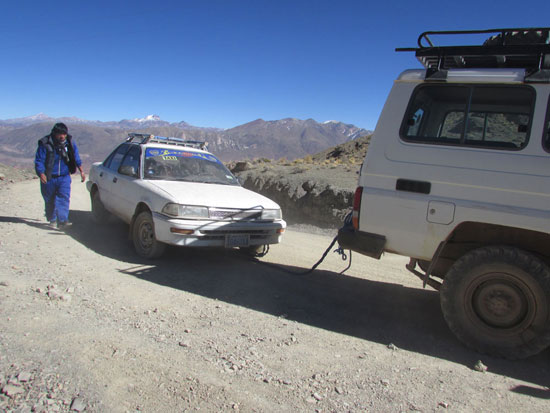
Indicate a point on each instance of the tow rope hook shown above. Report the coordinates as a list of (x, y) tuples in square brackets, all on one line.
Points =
[(342, 253)]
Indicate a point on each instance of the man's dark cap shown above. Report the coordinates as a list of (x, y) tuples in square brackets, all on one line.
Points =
[(60, 128)]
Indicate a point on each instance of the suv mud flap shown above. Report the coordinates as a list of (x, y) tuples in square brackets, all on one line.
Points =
[(371, 245)]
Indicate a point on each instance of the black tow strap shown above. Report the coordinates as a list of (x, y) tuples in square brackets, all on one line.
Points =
[(338, 250)]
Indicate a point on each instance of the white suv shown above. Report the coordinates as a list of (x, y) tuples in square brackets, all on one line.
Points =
[(457, 177), (172, 191)]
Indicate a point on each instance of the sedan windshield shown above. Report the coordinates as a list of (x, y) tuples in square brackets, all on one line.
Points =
[(188, 166)]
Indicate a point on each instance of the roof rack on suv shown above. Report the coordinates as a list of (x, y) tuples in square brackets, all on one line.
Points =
[(148, 138), (520, 48)]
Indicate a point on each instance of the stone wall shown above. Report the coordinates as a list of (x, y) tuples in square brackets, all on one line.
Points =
[(303, 202)]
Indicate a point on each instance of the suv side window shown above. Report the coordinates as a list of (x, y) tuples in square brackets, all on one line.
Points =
[(546, 132), (484, 116), (113, 162)]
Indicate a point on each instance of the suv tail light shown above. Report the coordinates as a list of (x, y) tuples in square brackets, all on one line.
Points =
[(356, 207)]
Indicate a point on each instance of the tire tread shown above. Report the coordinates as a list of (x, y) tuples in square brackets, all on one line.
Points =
[(509, 255)]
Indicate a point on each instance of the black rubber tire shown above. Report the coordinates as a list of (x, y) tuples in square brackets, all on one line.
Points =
[(496, 300), (143, 237), (99, 214), (254, 251)]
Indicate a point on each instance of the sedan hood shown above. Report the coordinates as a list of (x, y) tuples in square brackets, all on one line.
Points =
[(213, 195)]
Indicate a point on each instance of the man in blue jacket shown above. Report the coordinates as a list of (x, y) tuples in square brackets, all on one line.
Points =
[(56, 159)]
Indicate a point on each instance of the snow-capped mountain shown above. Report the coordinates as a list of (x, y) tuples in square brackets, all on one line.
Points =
[(147, 121), (39, 117), (290, 138), (149, 118)]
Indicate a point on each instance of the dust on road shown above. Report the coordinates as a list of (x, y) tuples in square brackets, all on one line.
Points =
[(86, 324)]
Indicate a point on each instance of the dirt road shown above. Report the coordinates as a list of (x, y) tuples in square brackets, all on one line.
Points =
[(87, 325)]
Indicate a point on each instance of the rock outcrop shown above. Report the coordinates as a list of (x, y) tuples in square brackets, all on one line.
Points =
[(304, 198), (315, 190)]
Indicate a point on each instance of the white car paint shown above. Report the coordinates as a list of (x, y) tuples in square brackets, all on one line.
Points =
[(122, 195)]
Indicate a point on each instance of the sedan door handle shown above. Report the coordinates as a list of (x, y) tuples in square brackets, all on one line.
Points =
[(115, 179)]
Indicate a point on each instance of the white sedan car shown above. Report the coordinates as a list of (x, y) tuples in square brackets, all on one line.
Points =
[(172, 191)]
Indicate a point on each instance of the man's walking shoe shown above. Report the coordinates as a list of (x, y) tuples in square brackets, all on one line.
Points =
[(64, 225), (52, 224)]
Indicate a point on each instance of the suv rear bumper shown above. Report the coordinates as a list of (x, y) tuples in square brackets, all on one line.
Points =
[(371, 245)]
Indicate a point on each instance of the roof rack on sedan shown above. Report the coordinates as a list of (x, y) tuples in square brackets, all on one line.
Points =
[(520, 48), (148, 138)]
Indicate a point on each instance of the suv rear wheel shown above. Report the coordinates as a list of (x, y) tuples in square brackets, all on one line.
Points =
[(143, 236), (497, 300)]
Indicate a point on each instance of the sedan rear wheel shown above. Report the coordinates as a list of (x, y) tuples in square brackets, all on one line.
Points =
[(99, 214), (143, 236)]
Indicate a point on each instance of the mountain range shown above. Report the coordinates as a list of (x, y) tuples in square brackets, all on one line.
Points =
[(286, 138)]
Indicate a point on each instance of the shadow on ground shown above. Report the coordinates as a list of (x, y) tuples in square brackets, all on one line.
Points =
[(385, 313)]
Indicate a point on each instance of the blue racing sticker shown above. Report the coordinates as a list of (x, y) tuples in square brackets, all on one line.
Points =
[(172, 154)]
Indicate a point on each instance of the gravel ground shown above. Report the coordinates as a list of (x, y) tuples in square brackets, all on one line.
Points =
[(10, 174), (85, 325)]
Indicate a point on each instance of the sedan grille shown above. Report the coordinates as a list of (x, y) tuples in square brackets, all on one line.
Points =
[(235, 214)]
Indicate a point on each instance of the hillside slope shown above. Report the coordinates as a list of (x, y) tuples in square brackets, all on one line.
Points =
[(289, 138), (316, 190)]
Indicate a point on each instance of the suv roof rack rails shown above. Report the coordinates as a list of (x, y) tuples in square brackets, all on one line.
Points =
[(520, 48), (148, 138)]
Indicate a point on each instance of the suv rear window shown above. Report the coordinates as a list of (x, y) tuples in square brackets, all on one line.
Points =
[(546, 132), (483, 116)]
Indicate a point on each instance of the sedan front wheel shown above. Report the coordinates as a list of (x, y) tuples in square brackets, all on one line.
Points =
[(143, 236)]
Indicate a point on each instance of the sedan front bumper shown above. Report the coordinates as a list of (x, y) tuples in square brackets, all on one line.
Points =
[(197, 233)]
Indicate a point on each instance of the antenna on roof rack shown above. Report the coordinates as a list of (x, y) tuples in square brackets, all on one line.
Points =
[(520, 48), (148, 138)]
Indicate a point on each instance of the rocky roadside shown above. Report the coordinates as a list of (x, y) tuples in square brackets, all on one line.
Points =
[(317, 194), (12, 174), (314, 190), (30, 388)]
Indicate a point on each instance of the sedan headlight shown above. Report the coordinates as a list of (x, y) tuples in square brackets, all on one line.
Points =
[(271, 214), (185, 211)]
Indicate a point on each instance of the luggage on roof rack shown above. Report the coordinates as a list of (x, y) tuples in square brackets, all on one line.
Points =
[(149, 138), (521, 48)]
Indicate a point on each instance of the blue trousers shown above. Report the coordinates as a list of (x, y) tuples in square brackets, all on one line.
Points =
[(57, 194)]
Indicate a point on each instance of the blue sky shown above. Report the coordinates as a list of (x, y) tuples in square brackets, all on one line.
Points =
[(223, 63)]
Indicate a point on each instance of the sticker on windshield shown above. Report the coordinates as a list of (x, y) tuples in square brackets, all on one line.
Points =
[(173, 154)]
